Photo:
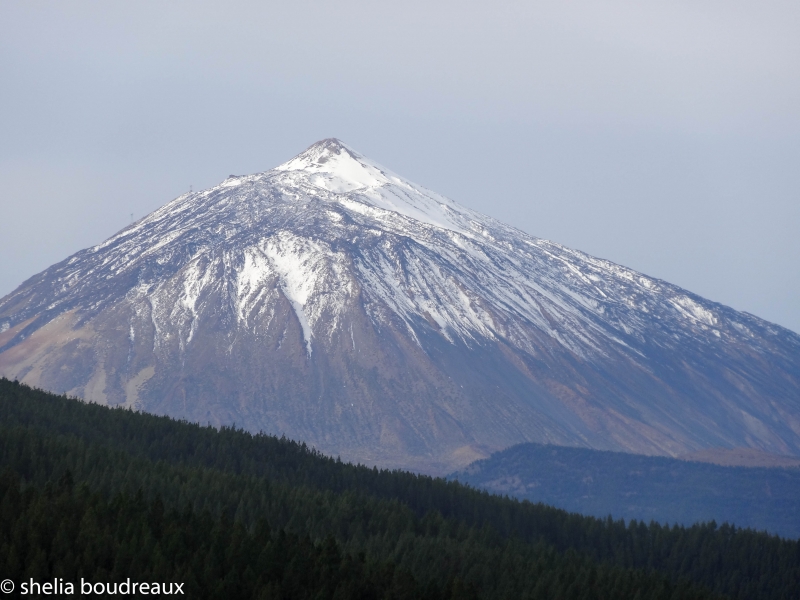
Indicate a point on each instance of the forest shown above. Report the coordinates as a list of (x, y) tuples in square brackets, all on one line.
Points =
[(109, 495)]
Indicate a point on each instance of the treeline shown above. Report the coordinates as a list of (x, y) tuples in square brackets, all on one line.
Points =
[(392, 531)]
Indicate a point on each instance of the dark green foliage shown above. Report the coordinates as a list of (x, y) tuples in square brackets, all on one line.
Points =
[(72, 534), (394, 534)]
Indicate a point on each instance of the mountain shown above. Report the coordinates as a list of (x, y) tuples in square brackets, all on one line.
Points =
[(645, 488), (333, 301)]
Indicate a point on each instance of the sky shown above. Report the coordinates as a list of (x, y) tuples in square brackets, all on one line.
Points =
[(664, 136)]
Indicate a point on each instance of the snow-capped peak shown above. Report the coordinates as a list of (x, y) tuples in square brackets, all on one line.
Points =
[(334, 301), (363, 184), (338, 168)]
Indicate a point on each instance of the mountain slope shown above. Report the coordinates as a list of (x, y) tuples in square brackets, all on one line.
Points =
[(336, 302)]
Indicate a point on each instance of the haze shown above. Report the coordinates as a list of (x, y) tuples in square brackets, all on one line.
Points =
[(663, 136)]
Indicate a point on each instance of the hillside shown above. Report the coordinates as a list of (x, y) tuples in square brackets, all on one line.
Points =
[(112, 475), (645, 488), (331, 300)]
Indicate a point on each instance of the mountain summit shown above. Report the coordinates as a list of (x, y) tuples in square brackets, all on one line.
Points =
[(336, 302)]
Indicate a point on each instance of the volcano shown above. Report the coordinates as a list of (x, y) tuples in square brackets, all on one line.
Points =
[(333, 301)]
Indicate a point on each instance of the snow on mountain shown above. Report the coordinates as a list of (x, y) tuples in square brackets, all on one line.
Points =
[(335, 301)]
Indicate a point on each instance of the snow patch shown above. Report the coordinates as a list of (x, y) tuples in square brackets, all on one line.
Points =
[(693, 310)]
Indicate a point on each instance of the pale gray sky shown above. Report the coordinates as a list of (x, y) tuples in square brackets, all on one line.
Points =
[(661, 135)]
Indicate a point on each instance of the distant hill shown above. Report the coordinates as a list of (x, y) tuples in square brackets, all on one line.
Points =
[(646, 488)]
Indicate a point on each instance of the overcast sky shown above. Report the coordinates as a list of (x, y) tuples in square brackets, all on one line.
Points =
[(662, 135)]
